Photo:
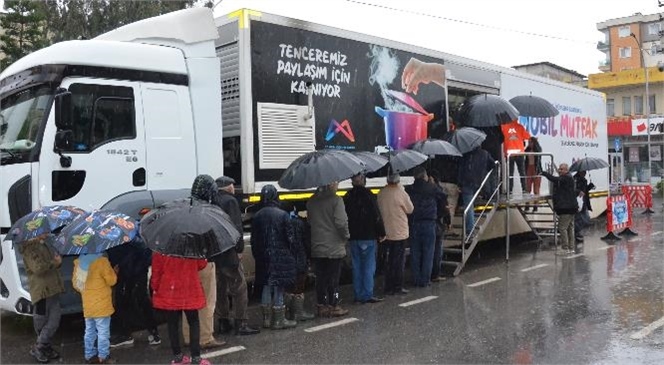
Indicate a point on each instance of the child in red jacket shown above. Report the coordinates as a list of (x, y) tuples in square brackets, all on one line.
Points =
[(176, 289)]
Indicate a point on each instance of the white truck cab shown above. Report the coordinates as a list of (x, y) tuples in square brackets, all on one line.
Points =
[(124, 121)]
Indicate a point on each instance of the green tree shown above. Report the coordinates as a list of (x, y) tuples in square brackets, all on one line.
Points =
[(23, 26)]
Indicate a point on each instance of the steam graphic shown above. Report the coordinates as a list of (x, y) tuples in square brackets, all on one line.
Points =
[(383, 70)]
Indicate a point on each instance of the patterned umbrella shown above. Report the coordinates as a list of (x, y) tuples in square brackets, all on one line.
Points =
[(96, 232), (42, 221), (189, 228)]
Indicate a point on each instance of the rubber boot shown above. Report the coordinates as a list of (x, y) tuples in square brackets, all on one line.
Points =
[(298, 309), (290, 309), (267, 316), (279, 320)]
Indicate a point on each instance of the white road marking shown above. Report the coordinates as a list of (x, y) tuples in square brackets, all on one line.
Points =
[(487, 281), (418, 301), (656, 233), (648, 329), (573, 256), (227, 351), (534, 267), (634, 240), (331, 324)]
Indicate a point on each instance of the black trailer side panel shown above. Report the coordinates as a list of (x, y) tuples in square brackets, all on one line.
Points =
[(349, 79)]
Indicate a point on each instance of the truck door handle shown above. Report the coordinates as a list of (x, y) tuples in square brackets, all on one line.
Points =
[(138, 177)]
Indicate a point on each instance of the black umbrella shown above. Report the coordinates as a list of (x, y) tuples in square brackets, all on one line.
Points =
[(319, 168), (486, 110), (465, 139), (587, 164), (534, 106), (432, 146), (372, 161), (404, 160), (189, 228)]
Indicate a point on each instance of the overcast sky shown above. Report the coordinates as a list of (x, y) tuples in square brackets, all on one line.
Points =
[(503, 32)]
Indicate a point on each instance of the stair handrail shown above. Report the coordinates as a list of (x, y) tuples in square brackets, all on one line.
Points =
[(470, 207)]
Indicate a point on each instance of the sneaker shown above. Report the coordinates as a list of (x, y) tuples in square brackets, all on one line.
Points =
[(39, 355), (154, 339), (181, 360), (118, 341), (200, 361), (92, 360), (51, 353), (108, 360)]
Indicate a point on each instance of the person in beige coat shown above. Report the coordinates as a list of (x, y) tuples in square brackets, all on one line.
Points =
[(329, 234), (395, 206)]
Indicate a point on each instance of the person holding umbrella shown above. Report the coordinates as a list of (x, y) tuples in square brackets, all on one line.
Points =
[(42, 267), (582, 217), (329, 235)]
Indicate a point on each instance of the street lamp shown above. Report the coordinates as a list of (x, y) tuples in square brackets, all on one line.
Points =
[(645, 71)]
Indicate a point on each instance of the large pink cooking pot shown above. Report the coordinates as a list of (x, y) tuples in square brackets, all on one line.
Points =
[(402, 129)]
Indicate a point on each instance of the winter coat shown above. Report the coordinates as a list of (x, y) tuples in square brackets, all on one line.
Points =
[(271, 241), (538, 159), (301, 248), (329, 225), (364, 220), (395, 205), (564, 193), (133, 259), (44, 277), (227, 202), (426, 200), (175, 283), (97, 296), (583, 186), (473, 168)]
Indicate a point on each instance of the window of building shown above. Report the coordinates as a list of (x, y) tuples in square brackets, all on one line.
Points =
[(625, 52), (654, 28), (627, 105), (651, 101), (638, 105), (610, 108), (101, 114), (624, 31), (654, 48)]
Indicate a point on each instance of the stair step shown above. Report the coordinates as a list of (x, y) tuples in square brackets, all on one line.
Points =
[(451, 263), (452, 250)]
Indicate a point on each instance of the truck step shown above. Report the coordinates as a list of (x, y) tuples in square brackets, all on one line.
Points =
[(451, 263)]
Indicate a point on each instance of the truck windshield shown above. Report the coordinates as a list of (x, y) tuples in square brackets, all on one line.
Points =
[(21, 118)]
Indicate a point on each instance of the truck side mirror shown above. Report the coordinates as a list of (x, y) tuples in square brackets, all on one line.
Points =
[(63, 141), (63, 109)]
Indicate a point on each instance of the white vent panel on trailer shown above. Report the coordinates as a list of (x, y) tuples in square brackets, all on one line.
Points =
[(284, 134)]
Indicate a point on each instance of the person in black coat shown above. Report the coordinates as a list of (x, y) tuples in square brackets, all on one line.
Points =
[(565, 205), (131, 293), (366, 227), (271, 241), (582, 218), (230, 274)]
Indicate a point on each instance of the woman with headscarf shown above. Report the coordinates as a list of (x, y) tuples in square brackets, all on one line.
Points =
[(271, 241)]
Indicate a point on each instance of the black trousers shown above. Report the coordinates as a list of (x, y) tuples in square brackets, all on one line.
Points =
[(174, 325), (131, 298), (520, 162), (328, 272), (395, 265)]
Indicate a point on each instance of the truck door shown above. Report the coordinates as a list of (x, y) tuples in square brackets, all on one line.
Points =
[(108, 149)]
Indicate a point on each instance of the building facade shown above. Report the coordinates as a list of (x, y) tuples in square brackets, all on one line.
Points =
[(634, 88)]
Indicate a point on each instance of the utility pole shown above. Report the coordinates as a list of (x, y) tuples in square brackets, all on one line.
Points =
[(645, 71)]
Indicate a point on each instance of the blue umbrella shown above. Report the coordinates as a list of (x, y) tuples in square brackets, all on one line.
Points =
[(96, 232), (42, 221)]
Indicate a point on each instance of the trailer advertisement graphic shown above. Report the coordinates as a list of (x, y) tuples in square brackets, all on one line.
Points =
[(571, 127)]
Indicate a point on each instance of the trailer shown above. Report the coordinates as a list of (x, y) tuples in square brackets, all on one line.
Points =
[(126, 121)]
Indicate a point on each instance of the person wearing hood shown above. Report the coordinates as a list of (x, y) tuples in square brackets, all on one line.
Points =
[(271, 240), (366, 227), (329, 235), (94, 277), (204, 189)]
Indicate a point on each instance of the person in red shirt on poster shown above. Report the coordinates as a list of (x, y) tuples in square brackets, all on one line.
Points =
[(515, 135)]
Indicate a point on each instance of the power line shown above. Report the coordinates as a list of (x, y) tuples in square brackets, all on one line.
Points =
[(470, 23)]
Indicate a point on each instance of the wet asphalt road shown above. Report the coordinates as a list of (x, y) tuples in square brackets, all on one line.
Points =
[(603, 306)]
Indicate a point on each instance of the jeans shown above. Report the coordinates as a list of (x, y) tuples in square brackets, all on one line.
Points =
[(97, 329), (470, 218), (46, 319), (363, 253), (276, 292), (422, 240), (174, 317), (394, 270), (437, 257), (327, 280)]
